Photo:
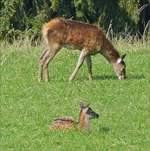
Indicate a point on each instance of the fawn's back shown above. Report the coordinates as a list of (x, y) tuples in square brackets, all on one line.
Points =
[(63, 123)]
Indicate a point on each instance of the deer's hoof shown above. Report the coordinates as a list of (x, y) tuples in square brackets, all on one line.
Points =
[(46, 80), (71, 79), (90, 78), (39, 79)]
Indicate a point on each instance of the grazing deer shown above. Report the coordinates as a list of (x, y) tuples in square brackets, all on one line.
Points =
[(89, 39), (86, 114)]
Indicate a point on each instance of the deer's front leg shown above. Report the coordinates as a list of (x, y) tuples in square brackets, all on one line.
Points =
[(79, 64), (89, 65)]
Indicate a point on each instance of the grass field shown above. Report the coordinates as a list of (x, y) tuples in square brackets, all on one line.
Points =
[(28, 107)]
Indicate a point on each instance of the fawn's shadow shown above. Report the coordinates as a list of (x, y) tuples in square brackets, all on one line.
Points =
[(104, 129)]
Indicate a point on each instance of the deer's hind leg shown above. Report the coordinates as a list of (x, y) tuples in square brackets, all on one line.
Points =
[(48, 56), (41, 63)]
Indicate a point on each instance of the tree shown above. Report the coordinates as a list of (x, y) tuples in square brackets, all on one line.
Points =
[(20, 17)]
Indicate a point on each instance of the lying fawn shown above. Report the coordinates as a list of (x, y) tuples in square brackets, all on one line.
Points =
[(86, 114), (85, 37)]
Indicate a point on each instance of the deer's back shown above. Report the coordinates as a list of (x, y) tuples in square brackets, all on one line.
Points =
[(74, 33), (63, 123)]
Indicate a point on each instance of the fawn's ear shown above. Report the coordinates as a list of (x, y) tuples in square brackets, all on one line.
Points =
[(123, 56), (82, 105)]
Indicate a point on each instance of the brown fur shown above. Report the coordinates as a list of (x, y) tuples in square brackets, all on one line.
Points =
[(79, 35), (83, 121), (87, 38)]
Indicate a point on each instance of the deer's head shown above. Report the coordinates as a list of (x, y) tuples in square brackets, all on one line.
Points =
[(88, 112), (120, 67)]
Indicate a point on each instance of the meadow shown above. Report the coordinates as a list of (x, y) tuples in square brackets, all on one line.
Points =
[(28, 106)]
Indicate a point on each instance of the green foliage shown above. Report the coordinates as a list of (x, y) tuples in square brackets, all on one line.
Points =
[(18, 17)]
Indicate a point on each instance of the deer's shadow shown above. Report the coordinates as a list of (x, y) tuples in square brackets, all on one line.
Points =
[(104, 77), (112, 77), (135, 77)]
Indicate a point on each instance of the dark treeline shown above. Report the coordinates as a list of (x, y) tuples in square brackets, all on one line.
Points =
[(25, 17)]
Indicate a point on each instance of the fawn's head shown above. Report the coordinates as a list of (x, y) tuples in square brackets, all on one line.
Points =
[(87, 111), (120, 67)]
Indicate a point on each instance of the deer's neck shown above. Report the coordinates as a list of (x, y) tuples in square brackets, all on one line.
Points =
[(109, 52), (84, 122)]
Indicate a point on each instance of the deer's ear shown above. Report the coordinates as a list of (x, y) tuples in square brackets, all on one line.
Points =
[(123, 56), (87, 105), (82, 105)]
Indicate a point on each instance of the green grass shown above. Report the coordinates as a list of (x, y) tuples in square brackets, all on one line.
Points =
[(28, 107)]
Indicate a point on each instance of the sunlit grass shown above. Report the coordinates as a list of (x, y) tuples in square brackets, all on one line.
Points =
[(28, 107)]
